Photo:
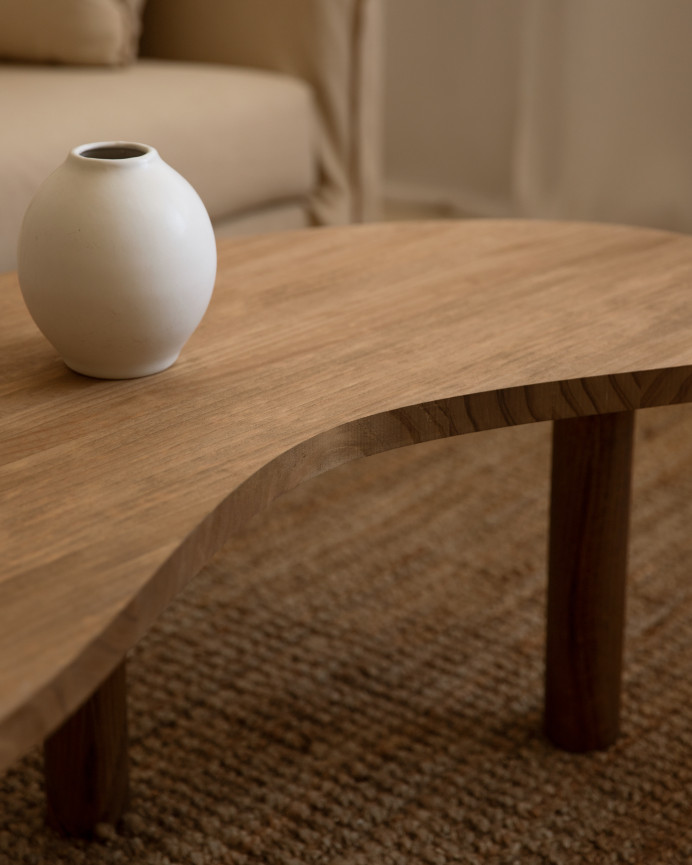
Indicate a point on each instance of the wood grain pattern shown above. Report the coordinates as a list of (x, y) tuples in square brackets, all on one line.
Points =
[(587, 576), (319, 347), (86, 762)]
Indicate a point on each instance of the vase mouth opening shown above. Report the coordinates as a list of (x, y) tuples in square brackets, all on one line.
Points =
[(109, 151)]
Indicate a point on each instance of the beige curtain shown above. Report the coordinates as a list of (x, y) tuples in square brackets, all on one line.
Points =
[(578, 109)]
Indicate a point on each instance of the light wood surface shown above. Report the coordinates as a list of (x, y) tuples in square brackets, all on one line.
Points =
[(318, 347)]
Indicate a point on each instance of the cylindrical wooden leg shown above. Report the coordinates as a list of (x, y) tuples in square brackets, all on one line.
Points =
[(587, 562), (86, 762)]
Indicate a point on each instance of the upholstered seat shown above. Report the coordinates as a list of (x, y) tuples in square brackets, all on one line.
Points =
[(282, 138), (246, 142)]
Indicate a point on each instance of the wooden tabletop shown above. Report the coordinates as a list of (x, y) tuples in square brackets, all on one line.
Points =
[(319, 347)]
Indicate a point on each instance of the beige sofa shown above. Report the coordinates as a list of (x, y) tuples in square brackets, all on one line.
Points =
[(270, 108)]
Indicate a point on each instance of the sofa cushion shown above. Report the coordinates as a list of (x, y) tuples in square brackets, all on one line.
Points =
[(244, 139), (70, 31)]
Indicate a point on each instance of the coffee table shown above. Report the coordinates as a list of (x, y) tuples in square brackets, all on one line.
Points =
[(321, 347)]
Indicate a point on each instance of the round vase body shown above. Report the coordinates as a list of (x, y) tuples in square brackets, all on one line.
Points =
[(116, 260)]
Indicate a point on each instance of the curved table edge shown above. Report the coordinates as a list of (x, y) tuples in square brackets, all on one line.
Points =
[(30, 723)]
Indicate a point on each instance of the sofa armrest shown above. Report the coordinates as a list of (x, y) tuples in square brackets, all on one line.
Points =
[(334, 45)]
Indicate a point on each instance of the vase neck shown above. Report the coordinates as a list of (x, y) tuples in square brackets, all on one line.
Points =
[(121, 153)]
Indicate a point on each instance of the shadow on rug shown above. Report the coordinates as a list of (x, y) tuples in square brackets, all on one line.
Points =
[(357, 679)]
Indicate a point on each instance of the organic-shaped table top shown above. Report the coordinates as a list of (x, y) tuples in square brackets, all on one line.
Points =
[(318, 347)]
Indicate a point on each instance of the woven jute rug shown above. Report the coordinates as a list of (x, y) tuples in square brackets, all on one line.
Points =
[(357, 678)]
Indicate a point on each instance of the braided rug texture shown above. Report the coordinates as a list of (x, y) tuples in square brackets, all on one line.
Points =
[(357, 678)]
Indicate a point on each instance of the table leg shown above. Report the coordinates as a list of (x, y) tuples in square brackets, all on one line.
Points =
[(86, 762), (587, 562)]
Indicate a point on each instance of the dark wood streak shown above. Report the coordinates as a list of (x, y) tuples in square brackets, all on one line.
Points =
[(589, 525), (86, 762)]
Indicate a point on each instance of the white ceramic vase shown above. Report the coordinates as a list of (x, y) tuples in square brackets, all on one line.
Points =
[(116, 260)]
